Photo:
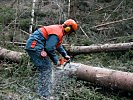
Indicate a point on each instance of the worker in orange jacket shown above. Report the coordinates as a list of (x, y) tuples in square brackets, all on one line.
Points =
[(42, 45)]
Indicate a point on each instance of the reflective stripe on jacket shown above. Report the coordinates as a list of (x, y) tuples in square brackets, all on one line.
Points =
[(53, 29)]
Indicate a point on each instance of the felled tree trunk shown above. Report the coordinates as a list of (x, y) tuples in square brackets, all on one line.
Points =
[(102, 76), (11, 55), (92, 48), (99, 48)]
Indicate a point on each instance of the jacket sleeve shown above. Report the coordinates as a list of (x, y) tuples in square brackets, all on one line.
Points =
[(62, 51), (50, 48)]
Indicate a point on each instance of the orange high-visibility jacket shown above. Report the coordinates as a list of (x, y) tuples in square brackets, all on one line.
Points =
[(53, 29)]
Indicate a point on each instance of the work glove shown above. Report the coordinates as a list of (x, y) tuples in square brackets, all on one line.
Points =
[(67, 57)]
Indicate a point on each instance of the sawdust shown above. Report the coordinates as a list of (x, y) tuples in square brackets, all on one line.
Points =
[(61, 76)]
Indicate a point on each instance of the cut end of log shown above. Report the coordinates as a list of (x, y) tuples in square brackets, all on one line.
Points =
[(10, 55)]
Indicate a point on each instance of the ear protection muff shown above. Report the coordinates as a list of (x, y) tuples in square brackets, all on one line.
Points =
[(67, 29)]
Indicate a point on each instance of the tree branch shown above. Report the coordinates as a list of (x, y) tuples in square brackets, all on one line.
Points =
[(109, 23)]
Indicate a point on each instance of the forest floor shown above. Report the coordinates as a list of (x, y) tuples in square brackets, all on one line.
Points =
[(18, 80)]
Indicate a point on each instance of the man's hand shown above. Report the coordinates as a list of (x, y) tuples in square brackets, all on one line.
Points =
[(67, 57)]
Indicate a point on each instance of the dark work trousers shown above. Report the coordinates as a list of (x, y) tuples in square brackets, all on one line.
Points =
[(44, 69)]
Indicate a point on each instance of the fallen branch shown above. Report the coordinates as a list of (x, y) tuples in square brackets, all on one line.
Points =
[(84, 32), (114, 10), (109, 23), (24, 32), (16, 43)]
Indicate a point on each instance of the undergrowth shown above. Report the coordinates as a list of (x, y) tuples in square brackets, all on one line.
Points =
[(18, 80)]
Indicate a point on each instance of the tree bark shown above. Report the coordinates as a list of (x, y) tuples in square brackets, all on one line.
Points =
[(11, 55), (99, 48), (102, 76)]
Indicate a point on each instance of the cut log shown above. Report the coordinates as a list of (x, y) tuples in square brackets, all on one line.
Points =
[(102, 76), (99, 48), (11, 55)]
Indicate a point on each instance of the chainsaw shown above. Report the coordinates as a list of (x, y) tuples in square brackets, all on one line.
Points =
[(63, 63)]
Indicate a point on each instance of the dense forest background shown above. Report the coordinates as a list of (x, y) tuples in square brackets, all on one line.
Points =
[(100, 22)]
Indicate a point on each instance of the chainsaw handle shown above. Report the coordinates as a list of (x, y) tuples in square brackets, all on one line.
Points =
[(62, 61)]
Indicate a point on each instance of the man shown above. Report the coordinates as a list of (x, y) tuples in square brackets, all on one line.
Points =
[(42, 45)]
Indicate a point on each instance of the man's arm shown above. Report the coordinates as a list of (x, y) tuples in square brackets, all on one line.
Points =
[(50, 48), (62, 51)]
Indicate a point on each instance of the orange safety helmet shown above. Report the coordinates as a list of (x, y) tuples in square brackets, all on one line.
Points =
[(71, 22)]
